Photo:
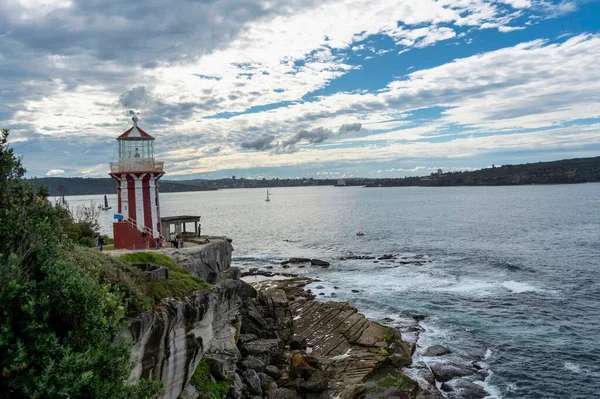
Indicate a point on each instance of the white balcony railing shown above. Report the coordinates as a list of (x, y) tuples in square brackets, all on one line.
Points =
[(136, 165)]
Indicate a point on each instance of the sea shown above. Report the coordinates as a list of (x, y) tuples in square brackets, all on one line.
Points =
[(507, 276)]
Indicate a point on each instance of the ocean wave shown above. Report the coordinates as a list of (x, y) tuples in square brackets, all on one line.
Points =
[(578, 369), (520, 287)]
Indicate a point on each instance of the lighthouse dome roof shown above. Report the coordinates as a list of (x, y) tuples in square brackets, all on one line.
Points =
[(135, 133)]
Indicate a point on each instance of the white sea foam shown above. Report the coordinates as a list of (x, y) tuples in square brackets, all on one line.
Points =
[(492, 390), (488, 354), (577, 369), (573, 367), (519, 287)]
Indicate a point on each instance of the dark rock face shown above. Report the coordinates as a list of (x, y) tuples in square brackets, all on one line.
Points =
[(266, 350), (170, 340), (273, 372), (254, 363), (317, 382), (446, 371), (237, 389), (436, 350), (284, 393), (253, 381), (386, 257), (208, 261), (319, 262), (465, 389), (247, 291)]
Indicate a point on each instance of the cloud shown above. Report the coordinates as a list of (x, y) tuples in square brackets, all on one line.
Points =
[(136, 97), (264, 142), (55, 172), (320, 134), (350, 128), (313, 136), (219, 78)]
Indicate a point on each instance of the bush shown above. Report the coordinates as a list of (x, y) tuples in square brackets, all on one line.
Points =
[(203, 381), (87, 242), (110, 270), (58, 323)]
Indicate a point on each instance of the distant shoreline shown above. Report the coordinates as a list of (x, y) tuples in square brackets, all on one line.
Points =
[(569, 171)]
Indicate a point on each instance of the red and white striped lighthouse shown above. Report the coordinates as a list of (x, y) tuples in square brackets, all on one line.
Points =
[(137, 224)]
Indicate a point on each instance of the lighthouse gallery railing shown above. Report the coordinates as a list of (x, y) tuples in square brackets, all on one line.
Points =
[(136, 165)]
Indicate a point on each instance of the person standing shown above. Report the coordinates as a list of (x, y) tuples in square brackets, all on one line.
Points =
[(100, 242)]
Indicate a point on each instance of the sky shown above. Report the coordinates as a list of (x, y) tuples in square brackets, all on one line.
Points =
[(301, 88)]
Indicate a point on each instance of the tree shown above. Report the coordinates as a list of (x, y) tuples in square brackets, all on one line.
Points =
[(88, 215), (57, 324)]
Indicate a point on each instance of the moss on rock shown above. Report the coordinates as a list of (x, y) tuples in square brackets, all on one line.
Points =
[(179, 284), (206, 385)]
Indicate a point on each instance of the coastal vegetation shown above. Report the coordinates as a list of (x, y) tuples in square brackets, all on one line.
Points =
[(60, 317), (206, 385), (179, 284), (579, 170)]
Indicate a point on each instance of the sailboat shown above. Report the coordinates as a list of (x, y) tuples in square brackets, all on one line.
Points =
[(268, 199), (105, 207)]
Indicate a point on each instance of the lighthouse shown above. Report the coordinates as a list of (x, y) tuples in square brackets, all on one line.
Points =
[(137, 223)]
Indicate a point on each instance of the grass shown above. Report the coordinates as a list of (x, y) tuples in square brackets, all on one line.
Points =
[(141, 294), (205, 384), (110, 270), (179, 284)]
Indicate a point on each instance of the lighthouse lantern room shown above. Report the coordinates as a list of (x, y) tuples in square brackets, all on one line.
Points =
[(137, 223)]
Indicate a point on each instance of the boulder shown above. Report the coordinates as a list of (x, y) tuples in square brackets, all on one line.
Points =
[(253, 363), (436, 350), (273, 372), (466, 389), (319, 262), (298, 343), (264, 349), (253, 381), (264, 378), (423, 372), (416, 316), (236, 389), (318, 382), (269, 387), (219, 367), (247, 338), (298, 260), (446, 371), (283, 393), (189, 392), (302, 365)]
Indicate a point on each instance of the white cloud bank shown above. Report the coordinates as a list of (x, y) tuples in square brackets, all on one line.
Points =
[(55, 172)]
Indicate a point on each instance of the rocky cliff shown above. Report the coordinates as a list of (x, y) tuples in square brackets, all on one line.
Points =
[(171, 339), (207, 260)]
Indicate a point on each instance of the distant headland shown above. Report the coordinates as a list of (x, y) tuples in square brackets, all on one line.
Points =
[(567, 171)]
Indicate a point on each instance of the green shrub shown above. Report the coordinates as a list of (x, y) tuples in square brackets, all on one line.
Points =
[(203, 381), (179, 284), (59, 325), (111, 270), (87, 242)]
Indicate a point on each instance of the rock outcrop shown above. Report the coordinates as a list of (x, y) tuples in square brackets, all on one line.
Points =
[(320, 349), (208, 261), (170, 340)]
